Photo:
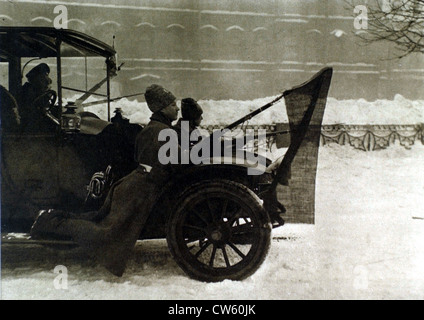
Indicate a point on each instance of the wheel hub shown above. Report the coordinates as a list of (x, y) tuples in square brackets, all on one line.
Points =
[(216, 235), (219, 234)]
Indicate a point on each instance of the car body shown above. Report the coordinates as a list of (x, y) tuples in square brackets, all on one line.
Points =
[(52, 168)]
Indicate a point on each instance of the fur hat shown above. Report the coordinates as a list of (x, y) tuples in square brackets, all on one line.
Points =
[(42, 68), (190, 109), (158, 97)]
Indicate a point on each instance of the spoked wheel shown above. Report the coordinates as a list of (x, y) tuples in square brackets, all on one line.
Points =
[(219, 231)]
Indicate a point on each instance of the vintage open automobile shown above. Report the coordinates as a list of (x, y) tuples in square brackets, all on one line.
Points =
[(217, 225)]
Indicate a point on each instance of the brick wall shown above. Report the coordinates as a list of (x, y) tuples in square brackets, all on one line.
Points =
[(231, 49)]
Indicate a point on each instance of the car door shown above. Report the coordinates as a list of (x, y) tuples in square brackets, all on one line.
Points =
[(29, 175)]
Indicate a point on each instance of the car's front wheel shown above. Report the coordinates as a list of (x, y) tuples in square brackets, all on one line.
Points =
[(219, 231)]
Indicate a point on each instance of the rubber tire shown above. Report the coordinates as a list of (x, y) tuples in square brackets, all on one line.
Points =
[(240, 195)]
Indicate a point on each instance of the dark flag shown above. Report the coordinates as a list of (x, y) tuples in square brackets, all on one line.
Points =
[(297, 173)]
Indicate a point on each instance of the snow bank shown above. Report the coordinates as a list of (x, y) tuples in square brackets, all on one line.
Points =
[(397, 111)]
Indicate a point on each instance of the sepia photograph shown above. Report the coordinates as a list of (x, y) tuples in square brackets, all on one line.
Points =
[(224, 151)]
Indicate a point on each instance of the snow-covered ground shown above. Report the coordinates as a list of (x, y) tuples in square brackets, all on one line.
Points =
[(367, 242)]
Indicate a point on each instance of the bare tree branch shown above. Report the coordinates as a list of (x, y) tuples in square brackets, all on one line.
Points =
[(398, 21)]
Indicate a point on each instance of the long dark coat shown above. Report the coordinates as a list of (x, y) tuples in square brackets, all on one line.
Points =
[(109, 235)]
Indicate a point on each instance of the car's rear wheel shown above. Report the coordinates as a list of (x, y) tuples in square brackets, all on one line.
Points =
[(219, 231)]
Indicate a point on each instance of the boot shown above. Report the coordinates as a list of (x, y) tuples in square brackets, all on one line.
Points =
[(47, 223)]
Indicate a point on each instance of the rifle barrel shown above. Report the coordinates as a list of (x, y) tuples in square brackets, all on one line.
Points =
[(255, 112), (88, 104)]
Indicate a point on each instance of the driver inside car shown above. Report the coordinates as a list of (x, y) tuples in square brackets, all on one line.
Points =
[(35, 99)]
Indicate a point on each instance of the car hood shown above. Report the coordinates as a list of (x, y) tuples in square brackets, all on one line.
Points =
[(93, 126)]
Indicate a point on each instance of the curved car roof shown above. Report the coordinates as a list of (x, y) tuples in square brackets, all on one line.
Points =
[(42, 42)]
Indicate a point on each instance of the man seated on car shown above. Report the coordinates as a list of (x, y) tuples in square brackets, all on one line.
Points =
[(162, 104), (191, 112), (110, 233), (35, 99)]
